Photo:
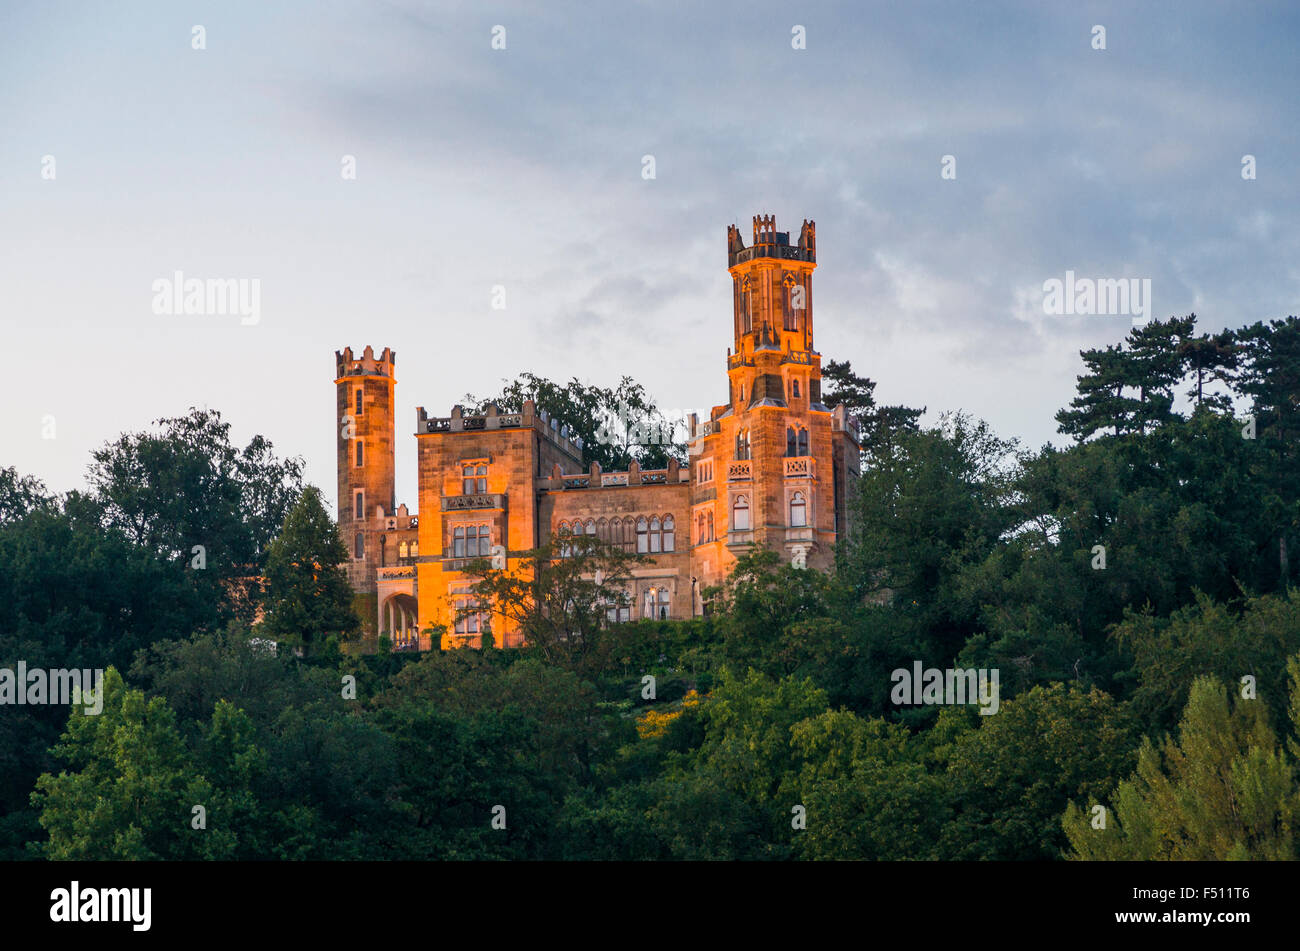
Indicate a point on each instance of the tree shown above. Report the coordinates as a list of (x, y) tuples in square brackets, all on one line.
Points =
[(1224, 789), (20, 495), (880, 427), (307, 594), (560, 598), (617, 425), (186, 491)]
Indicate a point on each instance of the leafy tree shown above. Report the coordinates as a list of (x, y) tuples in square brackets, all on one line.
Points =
[(20, 495), (617, 425), (186, 485), (307, 593), (1224, 789), (879, 426)]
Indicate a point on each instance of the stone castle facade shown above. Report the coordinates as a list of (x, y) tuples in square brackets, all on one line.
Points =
[(771, 466)]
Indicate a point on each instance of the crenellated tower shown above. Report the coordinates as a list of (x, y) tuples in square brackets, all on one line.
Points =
[(364, 432), (765, 467)]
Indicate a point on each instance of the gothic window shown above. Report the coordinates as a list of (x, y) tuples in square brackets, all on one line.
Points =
[(655, 537), (473, 480), (791, 441), (471, 541), (360, 453), (402, 550), (742, 444), (798, 511), (787, 299), (794, 389), (642, 536), (415, 549), (803, 441), (740, 514), (629, 535), (359, 504), (699, 528), (357, 407), (710, 526), (670, 534), (746, 307), (591, 526), (663, 604), (360, 545)]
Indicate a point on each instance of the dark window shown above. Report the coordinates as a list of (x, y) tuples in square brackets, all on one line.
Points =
[(360, 453), (360, 543), (357, 410), (359, 502)]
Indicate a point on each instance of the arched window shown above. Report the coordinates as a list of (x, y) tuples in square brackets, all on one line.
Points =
[(791, 441), (787, 299), (591, 526), (415, 549), (360, 543), (602, 530), (740, 514), (710, 527), (642, 537), (699, 529), (359, 503), (794, 389), (361, 456), (402, 550), (629, 535), (357, 409), (746, 308), (803, 441), (663, 604), (742, 444), (648, 605), (655, 538), (798, 511), (670, 534)]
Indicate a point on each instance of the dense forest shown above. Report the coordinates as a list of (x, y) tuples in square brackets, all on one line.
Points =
[(1135, 589)]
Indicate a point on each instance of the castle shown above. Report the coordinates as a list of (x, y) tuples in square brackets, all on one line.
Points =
[(771, 467)]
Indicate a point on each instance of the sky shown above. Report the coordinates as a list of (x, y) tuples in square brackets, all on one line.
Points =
[(127, 154)]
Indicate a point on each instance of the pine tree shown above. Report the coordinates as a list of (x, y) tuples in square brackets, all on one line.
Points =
[(307, 595)]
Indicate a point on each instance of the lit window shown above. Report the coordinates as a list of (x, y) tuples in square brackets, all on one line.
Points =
[(740, 514), (473, 480), (798, 511), (402, 550)]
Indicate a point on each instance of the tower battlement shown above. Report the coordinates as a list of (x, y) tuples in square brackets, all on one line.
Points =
[(345, 364), (770, 243)]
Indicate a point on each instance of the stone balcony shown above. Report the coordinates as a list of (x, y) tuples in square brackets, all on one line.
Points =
[(740, 470), (484, 500), (799, 467)]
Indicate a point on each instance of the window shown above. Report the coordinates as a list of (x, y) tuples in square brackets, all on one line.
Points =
[(794, 389), (746, 308), (360, 545), (360, 453), (471, 541), (663, 604), (415, 549), (357, 407), (642, 536), (787, 300), (710, 526), (740, 514), (473, 480), (704, 472), (798, 511), (359, 504), (470, 617), (629, 535), (402, 550), (670, 534), (742, 444), (796, 441), (656, 539)]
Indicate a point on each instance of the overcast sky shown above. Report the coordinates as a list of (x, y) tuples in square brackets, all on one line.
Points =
[(522, 167)]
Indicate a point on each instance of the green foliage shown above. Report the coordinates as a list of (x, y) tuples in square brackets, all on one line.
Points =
[(307, 594), (1224, 789)]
